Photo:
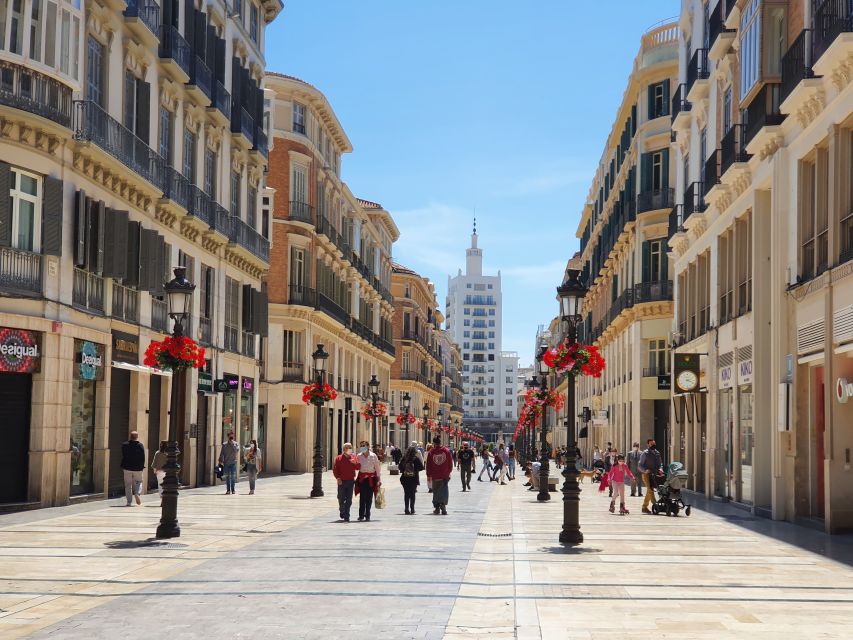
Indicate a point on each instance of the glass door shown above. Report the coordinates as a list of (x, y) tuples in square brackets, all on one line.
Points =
[(723, 467), (746, 443)]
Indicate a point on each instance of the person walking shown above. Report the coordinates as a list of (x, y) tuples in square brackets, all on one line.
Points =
[(502, 457), (397, 455), (158, 464), (651, 466), (487, 463), (228, 459), (616, 480), (465, 462), (369, 479), (633, 460), (439, 466), (252, 457), (410, 477), (132, 464), (596, 455), (511, 462), (344, 469)]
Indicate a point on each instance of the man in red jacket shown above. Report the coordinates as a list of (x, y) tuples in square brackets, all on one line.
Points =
[(344, 471), (439, 466)]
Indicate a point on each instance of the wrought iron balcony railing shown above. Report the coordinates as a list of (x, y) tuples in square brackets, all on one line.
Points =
[(125, 303), (697, 69), (732, 148), (679, 101), (796, 63), (159, 315), (655, 199), (88, 291), (147, 11), (33, 92), (201, 76), (831, 18), (174, 47), (221, 99), (20, 271), (762, 111)]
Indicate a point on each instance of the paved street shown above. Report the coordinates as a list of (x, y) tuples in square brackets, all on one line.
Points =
[(278, 565)]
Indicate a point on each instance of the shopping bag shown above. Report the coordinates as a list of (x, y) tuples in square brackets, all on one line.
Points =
[(380, 498)]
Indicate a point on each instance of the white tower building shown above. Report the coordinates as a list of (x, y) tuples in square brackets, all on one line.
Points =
[(474, 322)]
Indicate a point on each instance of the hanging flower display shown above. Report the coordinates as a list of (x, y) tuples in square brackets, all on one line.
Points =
[(318, 394), (405, 418), (369, 411), (175, 354), (575, 360)]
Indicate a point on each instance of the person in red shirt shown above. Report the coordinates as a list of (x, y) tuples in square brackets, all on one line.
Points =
[(344, 471), (439, 466)]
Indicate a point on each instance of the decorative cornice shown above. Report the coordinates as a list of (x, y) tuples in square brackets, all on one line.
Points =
[(137, 59), (811, 107), (843, 73), (99, 23), (213, 136), (169, 94)]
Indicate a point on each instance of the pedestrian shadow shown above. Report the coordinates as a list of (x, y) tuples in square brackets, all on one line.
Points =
[(150, 543), (570, 550), (300, 498)]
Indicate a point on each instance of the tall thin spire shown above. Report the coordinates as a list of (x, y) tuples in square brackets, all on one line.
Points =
[(474, 255)]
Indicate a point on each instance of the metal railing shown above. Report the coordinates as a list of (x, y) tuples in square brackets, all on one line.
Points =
[(221, 99), (20, 271), (248, 344), (201, 205), (679, 101), (222, 220), (28, 90), (763, 111), (173, 46), (302, 295), (298, 128), (693, 199), (202, 77), (655, 199), (717, 21), (697, 69), (147, 11), (652, 291), (159, 315), (711, 171), (732, 148), (241, 122), (831, 19), (260, 142), (301, 212), (326, 304), (94, 124), (125, 303), (232, 339), (292, 372), (249, 239), (88, 291), (796, 63), (205, 334)]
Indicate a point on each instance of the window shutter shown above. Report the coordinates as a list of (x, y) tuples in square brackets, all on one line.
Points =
[(5, 205), (149, 257), (115, 248), (263, 311), (51, 217), (166, 12), (651, 100), (143, 110), (132, 269), (646, 172), (647, 262), (210, 48), (129, 99), (235, 84), (664, 179), (164, 253), (666, 98), (220, 60), (95, 240), (189, 23), (247, 307), (664, 264), (81, 207), (200, 34)]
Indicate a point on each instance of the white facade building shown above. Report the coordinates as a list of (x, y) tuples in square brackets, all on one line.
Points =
[(474, 321)]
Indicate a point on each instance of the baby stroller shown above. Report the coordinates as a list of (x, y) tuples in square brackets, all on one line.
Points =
[(598, 467), (669, 493)]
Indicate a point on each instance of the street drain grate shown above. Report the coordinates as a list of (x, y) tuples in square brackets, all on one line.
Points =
[(494, 535)]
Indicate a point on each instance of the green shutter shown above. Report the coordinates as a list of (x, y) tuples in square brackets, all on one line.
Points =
[(651, 100), (645, 172), (5, 205), (51, 217), (132, 267), (665, 169), (647, 262), (664, 263), (665, 97), (81, 207)]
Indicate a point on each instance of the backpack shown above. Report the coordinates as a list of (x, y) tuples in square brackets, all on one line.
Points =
[(409, 470)]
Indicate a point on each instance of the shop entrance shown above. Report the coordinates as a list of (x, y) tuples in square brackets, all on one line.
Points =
[(818, 497), (201, 478), (155, 396), (15, 389), (747, 440), (723, 466), (119, 427)]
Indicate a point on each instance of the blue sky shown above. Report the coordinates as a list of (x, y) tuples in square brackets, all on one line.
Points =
[(453, 106)]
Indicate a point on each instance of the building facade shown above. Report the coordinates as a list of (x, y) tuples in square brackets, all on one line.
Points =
[(134, 142), (451, 380), (417, 368), (761, 242), (473, 307), (623, 235), (329, 284)]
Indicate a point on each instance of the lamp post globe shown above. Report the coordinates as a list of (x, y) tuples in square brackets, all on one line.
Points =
[(570, 295), (407, 403), (319, 356), (425, 425), (179, 293)]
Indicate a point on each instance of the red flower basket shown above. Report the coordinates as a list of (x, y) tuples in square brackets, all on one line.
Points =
[(175, 354), (575, 360), (404, 419), (369, 411), (318, 394)]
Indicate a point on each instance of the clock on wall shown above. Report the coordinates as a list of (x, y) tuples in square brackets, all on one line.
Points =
[(686, 372), (687, 381)]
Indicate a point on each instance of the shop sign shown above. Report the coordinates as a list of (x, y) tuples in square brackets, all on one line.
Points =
[(205, 382), (664, 382), (88, 360), (248, 385), (726, 377), (20, 350), (125, 347), (843, 390), (232, 381), (744, 372)]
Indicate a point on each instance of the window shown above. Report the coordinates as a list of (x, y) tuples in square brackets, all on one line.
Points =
[(297, 267), (847, 201), (814, 215), (210, 173), (491, 334), (95, 72), (507, 390), (164, 142), (467, 323), (466, 334), (253, 22), (727, 110), (743, 243), (25, 195), (232, 314), (137, 102), (298, 182), (298, 118), (726, 271), (655, 267), (238, 10), (750, 46), (406, 362), (292, 351), (508, 380), (658, 357), (235, 194), (251, 207), (207, 289), (189, 156), (659, 99), (407, 291)]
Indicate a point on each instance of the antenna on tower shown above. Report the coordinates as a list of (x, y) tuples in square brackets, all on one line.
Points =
[(475, 220)]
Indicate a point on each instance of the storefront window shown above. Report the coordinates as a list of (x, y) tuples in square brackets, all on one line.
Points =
[(247, 394), (82, 436), (746, 442), (229, 407), (724, 445)]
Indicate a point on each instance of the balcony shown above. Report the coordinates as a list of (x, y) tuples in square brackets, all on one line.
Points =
[(201, 78), (655, 199), (301, 212), (33, 92), (178, 188), (697, 75), (762, 112), (242, 123), (732, 149), (222, 220), (694, 201), (260, 143), (145, 13), (831, 19), (205, 332), (88, 291), (125, 303), (174, 49), (796, 64), (292, 372), (201, 205), (93, 124), (655, 371), (711, 171), (232, 338), (301, 295), (721, 39), (652, 291), (332, 308), (248, 344), (221, 101), (246, 237), (680, 109), (159, 315), (20, 272)]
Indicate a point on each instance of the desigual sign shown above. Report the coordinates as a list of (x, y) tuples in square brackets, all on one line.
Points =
[(90, 360), (843, 390), (19, 350)]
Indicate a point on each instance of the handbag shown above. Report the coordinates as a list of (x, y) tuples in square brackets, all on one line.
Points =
[(220, 471), (380, 498)]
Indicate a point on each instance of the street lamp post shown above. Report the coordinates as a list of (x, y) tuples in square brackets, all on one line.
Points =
[(425, 414), (544, 469), (571, 294), (439, 419), (320, 357), (531, 436), (179, 292), (374, 386), (407, 401)]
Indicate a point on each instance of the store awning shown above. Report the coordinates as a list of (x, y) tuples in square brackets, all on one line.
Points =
[(141, 368)]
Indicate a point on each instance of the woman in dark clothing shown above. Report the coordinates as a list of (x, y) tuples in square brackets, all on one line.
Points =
[(410, 470)]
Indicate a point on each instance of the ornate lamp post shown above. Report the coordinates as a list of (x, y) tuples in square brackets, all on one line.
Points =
[(439, 420), (320, 357), (374, 386), (179, 293), (570, 295), (530, 440), (544, 470), (407, 401), (425, 427)]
